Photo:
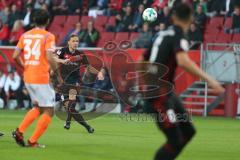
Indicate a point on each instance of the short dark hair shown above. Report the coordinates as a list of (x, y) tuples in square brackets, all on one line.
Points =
[(183, 12), (41, 17)]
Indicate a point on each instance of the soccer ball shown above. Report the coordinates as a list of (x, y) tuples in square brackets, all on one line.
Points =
[(149, 15)]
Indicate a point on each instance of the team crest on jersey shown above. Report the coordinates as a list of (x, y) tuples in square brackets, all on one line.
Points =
[(58, 52), (67, 56), (184, 44)]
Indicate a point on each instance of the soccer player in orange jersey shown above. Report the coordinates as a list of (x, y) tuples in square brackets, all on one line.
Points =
[(37, 46)]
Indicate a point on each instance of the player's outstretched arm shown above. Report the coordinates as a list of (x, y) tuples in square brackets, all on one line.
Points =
[(61, 61), (51, 60), (184, 61), (100, 74), (54, 65)]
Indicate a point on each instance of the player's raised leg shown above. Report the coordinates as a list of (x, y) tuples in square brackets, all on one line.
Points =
[(71, 111), (67, 124)]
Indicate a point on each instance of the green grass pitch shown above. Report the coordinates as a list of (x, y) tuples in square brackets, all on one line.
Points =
[(118, 139)]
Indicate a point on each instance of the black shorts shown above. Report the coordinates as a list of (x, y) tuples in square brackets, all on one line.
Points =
[(169, 109)]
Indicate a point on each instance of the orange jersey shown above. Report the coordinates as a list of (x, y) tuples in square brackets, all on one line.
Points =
[(35, 44)]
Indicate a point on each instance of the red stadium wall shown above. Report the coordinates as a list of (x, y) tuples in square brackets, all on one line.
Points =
[(182, 79)]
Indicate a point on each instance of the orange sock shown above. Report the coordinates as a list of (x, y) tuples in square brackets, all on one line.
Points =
[(42, 125), (28, 119)]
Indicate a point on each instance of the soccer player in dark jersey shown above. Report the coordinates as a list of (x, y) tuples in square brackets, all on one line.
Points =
[(70, 72), (1, 134), (170, 48)]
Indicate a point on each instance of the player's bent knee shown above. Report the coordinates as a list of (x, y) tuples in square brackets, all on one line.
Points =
[(176, 144), (48, 110)]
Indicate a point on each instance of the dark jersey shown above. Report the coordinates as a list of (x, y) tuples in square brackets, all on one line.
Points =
[(71, 72), (165, 47)]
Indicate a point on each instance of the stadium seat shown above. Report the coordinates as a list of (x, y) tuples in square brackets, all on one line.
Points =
[(223, 38), (216, 22), (108, 35), (85, 20), (99, 28), (72, 20), (228, 22), (101, 21), (62, 34), (66, 29), (104, 37), (55, 29), (133, 36), (209, 38), (58, 20), (211, 30), (120, 36), (101, 43), (60, 39), (236, 38)]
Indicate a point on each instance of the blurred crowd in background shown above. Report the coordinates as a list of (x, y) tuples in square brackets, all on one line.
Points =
[(16, 17)]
